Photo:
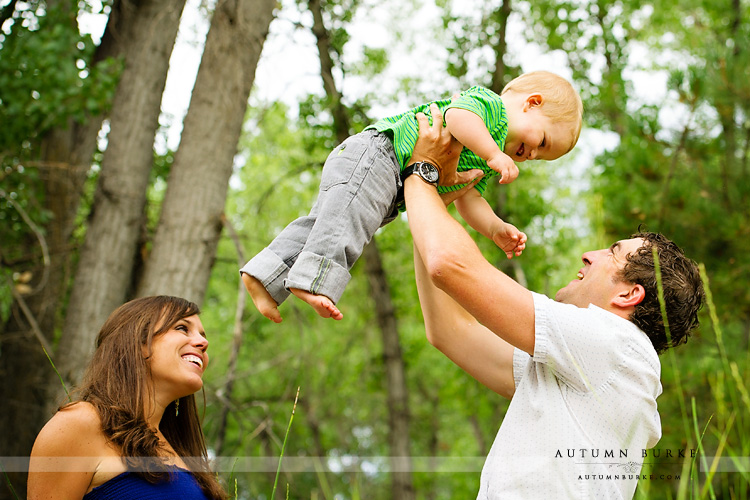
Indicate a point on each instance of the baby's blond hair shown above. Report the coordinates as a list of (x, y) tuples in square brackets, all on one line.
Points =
[(561, 101)]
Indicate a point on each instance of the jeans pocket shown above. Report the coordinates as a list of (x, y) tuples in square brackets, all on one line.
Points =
[(342, 163)]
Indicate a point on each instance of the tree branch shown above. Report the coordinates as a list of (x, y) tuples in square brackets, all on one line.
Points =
[(30, 318), (38, 233), (673, 167)]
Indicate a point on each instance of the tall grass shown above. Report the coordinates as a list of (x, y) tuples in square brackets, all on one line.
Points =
[(62, 382), (713, 419), (10, 485), (716, 423), (732, 411), (283, 446)]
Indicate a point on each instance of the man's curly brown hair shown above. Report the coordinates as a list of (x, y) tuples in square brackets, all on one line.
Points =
[(683, 290)]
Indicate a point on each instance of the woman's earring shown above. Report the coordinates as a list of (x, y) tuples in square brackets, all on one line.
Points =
[(176, 407)]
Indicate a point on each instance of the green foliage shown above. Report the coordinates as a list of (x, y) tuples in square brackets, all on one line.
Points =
[(374, 62), (342, 409), (680, 168), (157, 188), (46, 78), (687, 176), (475, 32), (16, 205), (6, 296), (337, 14)]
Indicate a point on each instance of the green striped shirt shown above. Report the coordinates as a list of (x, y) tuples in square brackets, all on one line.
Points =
[(403, 129)]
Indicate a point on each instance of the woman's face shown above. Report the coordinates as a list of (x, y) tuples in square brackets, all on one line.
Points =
[(179, 358)]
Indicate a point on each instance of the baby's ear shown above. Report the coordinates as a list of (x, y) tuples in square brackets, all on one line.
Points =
[(533, 100)]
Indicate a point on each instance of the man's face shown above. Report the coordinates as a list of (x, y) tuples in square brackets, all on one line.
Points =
[(597, 283)]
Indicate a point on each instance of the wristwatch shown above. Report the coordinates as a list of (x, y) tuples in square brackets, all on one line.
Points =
[(427, 171)]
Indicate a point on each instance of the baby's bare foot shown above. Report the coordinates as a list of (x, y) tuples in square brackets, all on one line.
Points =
[(261, 298), (322, 304)]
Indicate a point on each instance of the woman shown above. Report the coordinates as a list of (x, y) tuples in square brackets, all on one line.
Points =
[(134, 430)]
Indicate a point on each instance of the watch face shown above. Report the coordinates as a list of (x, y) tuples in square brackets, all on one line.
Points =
[(428, 172)]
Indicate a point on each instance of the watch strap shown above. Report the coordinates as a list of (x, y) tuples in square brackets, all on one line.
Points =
[(414, 168), (407, 171)]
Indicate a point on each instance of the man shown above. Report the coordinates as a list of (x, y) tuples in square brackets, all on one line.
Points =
[(582, 371)]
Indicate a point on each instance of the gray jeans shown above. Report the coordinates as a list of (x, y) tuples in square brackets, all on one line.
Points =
[(358, 191)]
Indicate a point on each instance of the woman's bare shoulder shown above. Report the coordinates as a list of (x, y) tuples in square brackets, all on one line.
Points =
[(80, 414), (68, 454), (73, 428)]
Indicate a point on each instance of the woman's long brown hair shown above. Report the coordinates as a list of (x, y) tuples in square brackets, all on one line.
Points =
[(116, 383)]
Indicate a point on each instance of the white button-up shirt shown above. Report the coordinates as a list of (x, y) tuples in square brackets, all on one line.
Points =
[(583, 410)]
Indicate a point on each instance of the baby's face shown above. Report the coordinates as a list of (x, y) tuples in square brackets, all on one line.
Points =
[(533, 136)]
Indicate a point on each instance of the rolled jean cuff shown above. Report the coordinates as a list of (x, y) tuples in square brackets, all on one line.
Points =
[(271, 271), (318, 275)]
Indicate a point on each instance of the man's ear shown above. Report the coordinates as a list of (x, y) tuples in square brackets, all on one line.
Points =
[(630, 296), (533, 100)]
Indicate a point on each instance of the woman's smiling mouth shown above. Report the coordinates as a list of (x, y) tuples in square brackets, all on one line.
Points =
[(192, 358)]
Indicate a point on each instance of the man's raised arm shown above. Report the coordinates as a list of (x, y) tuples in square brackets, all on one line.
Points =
[(452, 261), (459, 336)]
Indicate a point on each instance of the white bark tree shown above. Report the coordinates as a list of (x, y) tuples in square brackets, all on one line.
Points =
[(106, 260), (185, 243)]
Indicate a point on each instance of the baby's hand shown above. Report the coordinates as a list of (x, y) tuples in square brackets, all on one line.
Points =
[(505, 166), (509, 239)]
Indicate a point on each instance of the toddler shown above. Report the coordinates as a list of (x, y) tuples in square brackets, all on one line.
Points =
[(537, 116)]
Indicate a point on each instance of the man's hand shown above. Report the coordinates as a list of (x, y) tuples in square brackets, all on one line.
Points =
[(452, 196), (437, 146)]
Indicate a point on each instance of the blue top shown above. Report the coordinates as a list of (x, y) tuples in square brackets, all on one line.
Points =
[(129, 486)]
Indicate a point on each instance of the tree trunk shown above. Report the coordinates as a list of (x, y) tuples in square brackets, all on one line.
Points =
[(501, 47), (323, 41), (429, 394), (25, 371), (317, 452), (106, 262), (500, 77), (185, 243), (614, 108), (396, 389), (225, 394), (64, 159)]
